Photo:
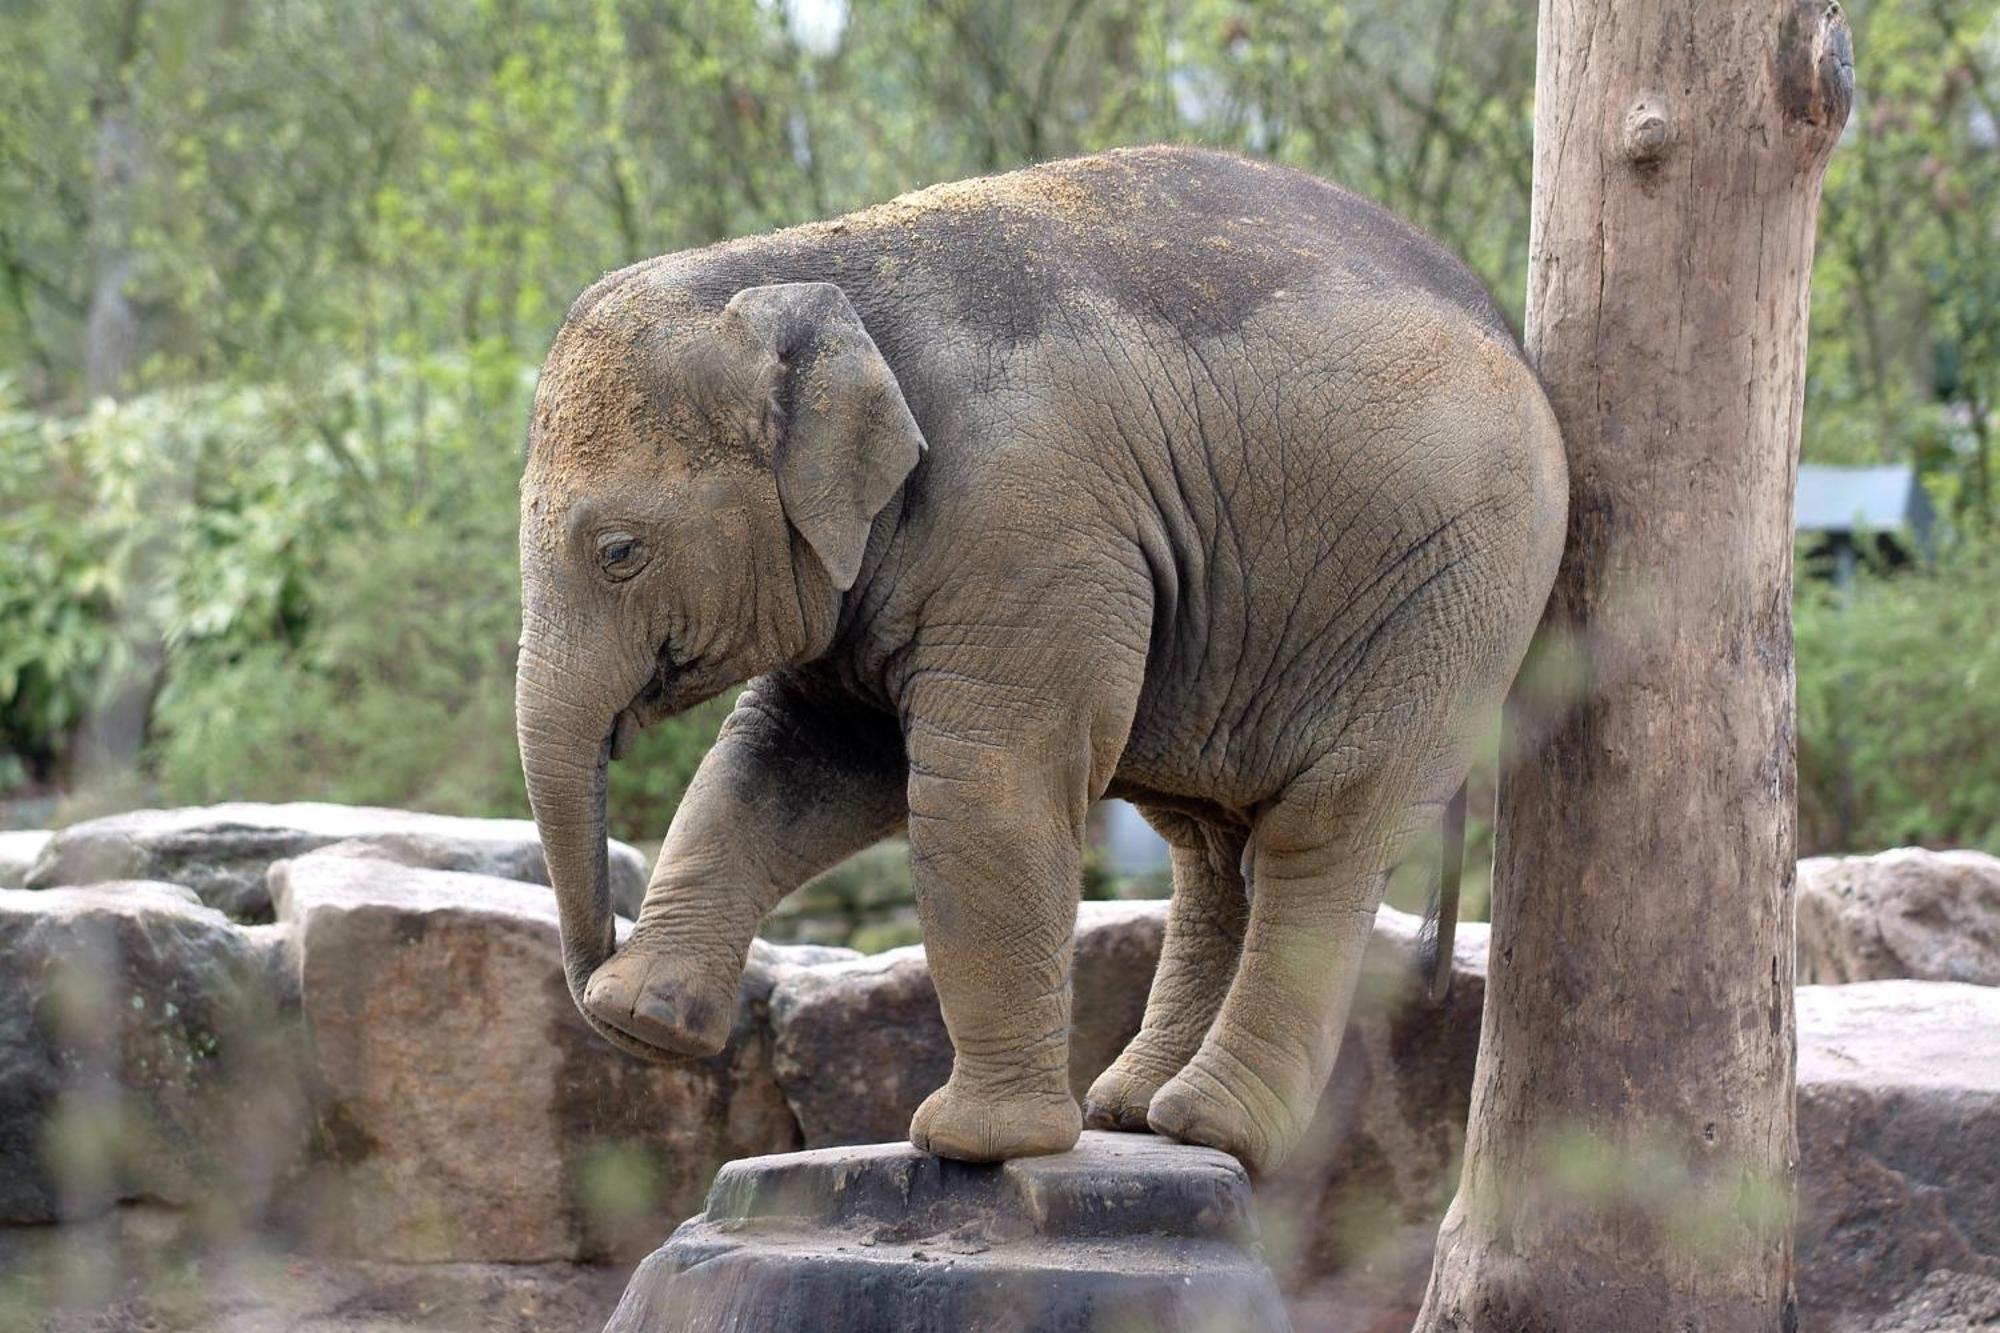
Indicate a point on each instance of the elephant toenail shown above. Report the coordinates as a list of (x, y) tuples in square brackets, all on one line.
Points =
[(654, 1009)]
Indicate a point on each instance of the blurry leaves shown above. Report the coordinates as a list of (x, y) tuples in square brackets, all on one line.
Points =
[(1899, 699), (618, 1183), (336, 184), (646, 785), (1904, 357), (1698, 1195)]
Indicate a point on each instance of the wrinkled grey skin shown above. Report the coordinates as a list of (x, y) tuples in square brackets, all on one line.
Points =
[(1160, 474)]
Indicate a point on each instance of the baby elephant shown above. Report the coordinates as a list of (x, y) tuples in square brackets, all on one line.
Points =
[(1159, 474)]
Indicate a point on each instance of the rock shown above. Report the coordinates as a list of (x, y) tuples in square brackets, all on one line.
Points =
[(1899, 1137), (222, 852), (1126, 1231), (1349, 1221), (860, 1044), (1932, 916), (1117, 947), (143, 1053), (1944, 1302), (469, 1113), (18, 850), (856, 1046)]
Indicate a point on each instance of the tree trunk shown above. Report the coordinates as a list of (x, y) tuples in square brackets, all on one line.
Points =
[(1633, 1148), (106, 742), (111, 331)]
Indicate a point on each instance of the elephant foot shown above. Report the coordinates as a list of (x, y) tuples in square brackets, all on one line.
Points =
[(1119, 1097), (1196, 1107), (653, 1000), (988, 1126)]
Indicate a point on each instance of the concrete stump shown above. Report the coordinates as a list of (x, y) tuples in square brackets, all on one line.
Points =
[(1126, 1232)]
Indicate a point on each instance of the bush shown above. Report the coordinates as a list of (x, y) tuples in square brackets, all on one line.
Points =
[(318, 587), (1899, 705), (139, 531), (399, 691)]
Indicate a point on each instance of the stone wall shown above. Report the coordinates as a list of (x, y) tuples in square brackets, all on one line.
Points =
[(391, 1070)]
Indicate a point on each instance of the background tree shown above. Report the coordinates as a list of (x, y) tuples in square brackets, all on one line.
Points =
[(348, 232)]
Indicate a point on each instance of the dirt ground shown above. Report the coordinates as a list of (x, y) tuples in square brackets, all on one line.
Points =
[(138, 1275), (311, 1296), (139, 1271)]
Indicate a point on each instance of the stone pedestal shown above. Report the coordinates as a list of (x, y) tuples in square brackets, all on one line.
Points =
[(1126, 1232)]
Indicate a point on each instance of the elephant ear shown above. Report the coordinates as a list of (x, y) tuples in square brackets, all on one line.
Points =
[(847, 439)]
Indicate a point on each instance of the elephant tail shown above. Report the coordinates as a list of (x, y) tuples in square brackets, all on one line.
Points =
[(1440, 926)]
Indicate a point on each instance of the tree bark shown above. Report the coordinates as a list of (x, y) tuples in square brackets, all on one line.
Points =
[(1632, 1152), (106, 742), (111, 331)]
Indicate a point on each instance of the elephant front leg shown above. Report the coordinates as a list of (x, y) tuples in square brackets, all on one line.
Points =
[(995, 842), (793, 785)]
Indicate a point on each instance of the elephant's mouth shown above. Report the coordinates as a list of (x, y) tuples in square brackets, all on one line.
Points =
[(654, 701), (673, 688), (648, 708)]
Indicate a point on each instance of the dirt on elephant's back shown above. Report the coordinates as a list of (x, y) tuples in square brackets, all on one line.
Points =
[(1079, 191)]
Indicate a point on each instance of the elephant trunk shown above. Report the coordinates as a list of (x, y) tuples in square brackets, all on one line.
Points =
[(565, 756)]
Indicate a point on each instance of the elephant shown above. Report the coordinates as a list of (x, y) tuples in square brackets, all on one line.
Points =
[(1163, 474)]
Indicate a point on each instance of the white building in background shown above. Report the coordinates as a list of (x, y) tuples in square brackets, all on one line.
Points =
[(1843, 513), (1126, 840)]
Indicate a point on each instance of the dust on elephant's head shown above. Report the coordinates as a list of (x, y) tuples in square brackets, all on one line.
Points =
[(699, 490), (701, 483)]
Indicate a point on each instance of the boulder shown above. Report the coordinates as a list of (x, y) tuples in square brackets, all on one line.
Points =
[(859, 1044), (1349, 1222), (1931, 916), (468, 1112), (1944, 1302), (18, 850), (1124, 1232), (144, 1053), (223, 852), (1350, 1218), (1899, 1140)]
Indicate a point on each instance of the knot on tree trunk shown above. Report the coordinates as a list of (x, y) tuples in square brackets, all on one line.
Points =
[(1646, 131), (1814, 65)]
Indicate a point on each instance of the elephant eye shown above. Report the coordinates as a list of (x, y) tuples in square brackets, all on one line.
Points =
[(619, 555)]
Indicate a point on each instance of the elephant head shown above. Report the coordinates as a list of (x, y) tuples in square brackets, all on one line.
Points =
[(699, 492)]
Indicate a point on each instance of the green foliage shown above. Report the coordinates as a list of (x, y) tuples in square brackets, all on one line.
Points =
[(325, 578), (400, 692), (1904, 358), (867, 902), (1899, 702), (340, 237), (177, 519)]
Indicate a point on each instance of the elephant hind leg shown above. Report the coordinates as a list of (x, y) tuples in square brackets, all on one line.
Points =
[(1205, 923), (1320, 859)]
